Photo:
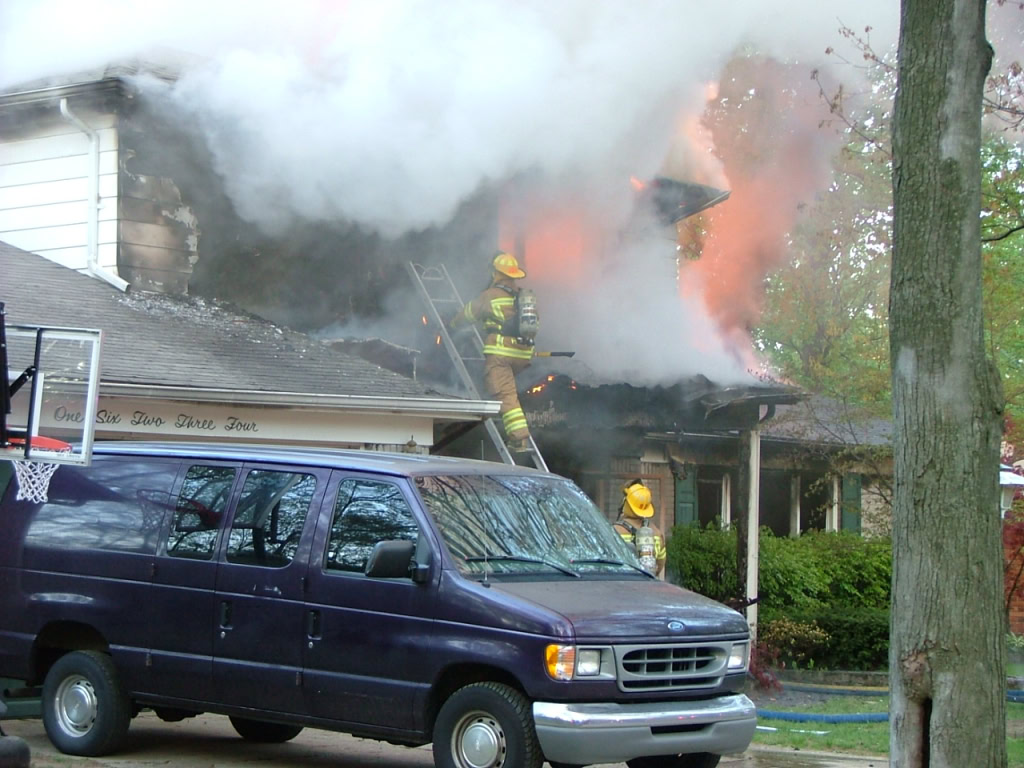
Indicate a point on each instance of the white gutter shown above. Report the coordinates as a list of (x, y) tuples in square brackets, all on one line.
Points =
[(93, 195), (468, 410)]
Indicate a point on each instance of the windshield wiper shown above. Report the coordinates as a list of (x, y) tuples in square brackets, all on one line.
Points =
[(606, 561), (517, 559)]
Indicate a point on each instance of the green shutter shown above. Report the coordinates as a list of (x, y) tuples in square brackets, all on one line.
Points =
[(851, 503), (686, 495)]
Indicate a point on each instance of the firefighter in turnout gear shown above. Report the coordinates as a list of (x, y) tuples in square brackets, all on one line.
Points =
[(635, 527), (508, 343)]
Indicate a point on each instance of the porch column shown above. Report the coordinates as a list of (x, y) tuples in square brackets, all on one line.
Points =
[(834, 504), (746, 523), (726, 510), (794, 505)]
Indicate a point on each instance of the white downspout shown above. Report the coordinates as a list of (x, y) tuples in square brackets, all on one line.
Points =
[(93, 219)]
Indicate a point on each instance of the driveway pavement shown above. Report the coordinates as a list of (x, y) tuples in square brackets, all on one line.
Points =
[(209, 740)]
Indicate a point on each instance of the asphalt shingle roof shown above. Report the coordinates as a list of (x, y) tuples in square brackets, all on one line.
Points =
[(182, 341)]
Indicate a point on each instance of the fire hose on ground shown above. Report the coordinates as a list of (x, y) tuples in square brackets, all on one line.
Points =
[(1012, 695)]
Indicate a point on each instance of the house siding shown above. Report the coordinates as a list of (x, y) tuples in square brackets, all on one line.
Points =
[(44, 182), (1015, 613)]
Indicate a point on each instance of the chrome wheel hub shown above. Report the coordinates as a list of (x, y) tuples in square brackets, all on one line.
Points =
[(478, 741), (76, 705)]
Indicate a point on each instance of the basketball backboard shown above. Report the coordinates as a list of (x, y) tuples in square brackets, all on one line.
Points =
[(51, 394)]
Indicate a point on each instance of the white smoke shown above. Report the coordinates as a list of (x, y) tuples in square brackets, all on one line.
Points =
[(390, 114)]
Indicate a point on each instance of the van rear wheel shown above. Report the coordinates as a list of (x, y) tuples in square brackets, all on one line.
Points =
[(486, 725), (264, 733), (695, 760), (85, 712)]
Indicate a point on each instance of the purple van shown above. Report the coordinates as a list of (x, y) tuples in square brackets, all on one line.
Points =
[(489, 609)]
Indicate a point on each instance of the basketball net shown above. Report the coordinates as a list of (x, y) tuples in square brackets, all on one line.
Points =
[(34, 476), (33, 479)]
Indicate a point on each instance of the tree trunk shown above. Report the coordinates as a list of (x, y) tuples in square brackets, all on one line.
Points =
[(947, 654)]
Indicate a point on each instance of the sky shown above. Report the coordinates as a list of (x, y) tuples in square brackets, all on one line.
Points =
[(392, 114)]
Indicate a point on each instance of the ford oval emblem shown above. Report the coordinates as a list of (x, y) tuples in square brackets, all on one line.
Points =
[(676, 626)]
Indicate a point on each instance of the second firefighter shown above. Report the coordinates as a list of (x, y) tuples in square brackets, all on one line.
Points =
[(635, 527)]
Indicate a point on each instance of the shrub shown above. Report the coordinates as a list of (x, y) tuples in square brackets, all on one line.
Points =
[(796, 642), (858, 638), (704, 560), (838, 582), (815, 569)]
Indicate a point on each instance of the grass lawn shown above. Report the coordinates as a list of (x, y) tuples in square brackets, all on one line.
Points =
[(864, 738)]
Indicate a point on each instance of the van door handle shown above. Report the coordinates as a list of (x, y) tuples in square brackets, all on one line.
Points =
[(313, 624), (225, 614)]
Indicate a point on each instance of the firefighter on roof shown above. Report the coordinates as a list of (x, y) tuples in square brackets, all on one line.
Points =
[(636, 529), (509, 328)]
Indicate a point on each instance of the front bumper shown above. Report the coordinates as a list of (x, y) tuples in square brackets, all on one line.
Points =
[(612, 733)]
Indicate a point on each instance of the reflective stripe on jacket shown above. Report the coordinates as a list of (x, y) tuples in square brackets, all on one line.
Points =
[(493, 308), (660, 553)]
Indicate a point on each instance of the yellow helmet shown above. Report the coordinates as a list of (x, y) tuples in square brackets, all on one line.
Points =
[(638, 497), (506, 264)]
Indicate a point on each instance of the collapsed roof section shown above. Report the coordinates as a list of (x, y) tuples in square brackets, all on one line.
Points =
[(694, 405), (674, 200)]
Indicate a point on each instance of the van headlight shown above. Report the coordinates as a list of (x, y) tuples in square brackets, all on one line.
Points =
[(738, 657), (588, 662), (567, 662)]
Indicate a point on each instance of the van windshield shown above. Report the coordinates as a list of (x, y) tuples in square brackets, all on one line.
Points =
[(518, 524)]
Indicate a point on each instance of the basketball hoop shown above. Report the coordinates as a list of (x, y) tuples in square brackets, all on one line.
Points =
[(34, 476)]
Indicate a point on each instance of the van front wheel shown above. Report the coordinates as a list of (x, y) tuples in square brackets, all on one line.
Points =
[(486, 725), (85, 712), (264, 733)]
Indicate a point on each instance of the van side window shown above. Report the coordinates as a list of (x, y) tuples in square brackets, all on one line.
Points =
[(202, 501), (367, 511), (117, 505), (270, 516)]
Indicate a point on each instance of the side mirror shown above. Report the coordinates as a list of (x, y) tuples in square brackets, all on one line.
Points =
[(391, 559)]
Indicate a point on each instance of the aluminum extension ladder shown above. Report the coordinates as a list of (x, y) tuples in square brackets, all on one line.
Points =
[(442, 300)]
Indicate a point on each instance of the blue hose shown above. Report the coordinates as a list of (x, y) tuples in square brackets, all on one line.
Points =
[(801, 717), (1015, 695)]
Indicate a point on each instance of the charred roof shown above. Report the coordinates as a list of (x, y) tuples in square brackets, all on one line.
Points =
[(692, 405)]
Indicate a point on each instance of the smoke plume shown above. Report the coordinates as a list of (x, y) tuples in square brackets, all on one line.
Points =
[(390, 116)]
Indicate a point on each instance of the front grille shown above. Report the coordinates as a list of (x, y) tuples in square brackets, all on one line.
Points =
[(670, 667)]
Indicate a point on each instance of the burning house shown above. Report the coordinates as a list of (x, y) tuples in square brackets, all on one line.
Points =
[(100, 174)]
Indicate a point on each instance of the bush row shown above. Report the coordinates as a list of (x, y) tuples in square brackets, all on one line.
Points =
[(823, 597)]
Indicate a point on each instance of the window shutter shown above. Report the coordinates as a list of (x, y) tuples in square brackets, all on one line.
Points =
[(686, 495), (851, 503)]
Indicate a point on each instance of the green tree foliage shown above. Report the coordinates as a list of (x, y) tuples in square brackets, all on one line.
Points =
[(825, 319), (1003, 272)]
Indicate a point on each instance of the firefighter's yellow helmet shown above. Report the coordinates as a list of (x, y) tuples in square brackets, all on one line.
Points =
[(506, 264), (638, 497)]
